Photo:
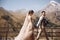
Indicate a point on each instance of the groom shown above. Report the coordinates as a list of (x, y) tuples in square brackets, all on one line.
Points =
[(41, 24)]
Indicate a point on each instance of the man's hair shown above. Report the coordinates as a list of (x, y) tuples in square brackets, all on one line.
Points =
[(43, 12), (31, 12)]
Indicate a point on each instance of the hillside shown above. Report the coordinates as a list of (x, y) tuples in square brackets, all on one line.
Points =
[(52, 12)]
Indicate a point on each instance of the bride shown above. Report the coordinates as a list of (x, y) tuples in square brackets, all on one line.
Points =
[(26, 32)]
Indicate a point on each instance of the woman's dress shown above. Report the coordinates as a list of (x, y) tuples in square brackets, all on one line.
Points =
[(26, 32)]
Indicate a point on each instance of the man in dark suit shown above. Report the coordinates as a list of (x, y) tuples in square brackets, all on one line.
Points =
[(41, 24)]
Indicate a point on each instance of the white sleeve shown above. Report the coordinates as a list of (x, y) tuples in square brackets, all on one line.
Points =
[(39, 21)]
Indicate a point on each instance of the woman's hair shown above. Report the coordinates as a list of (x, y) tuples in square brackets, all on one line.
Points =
[(31, 12), (43, 12)]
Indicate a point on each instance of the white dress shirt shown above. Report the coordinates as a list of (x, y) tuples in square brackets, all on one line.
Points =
[(40, 19)]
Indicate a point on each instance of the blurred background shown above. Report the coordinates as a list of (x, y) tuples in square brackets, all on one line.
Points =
[(13, 13)]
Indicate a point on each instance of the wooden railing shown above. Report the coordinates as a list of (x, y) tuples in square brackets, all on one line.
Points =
[(51, 31)]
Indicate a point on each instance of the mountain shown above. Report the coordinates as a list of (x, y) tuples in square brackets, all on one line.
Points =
[(52, 12), (8, 21)]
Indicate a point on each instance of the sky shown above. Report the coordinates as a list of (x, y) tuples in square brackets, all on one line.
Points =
[(24, 4)]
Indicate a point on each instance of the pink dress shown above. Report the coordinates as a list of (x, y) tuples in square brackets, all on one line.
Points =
[(26, 32)]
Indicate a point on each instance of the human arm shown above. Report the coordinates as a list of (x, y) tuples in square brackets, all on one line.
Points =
[(40, 19)]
